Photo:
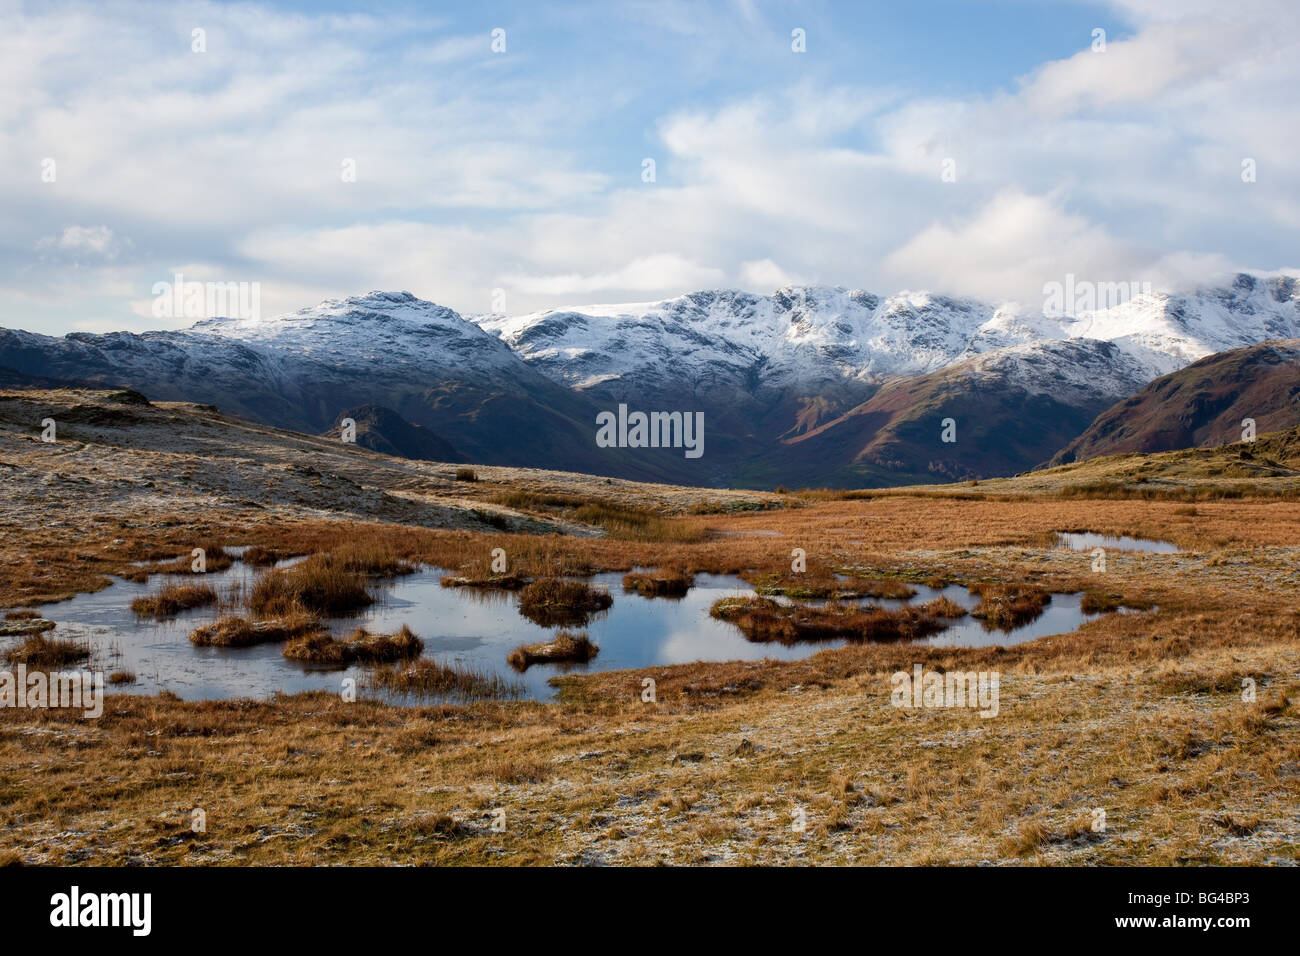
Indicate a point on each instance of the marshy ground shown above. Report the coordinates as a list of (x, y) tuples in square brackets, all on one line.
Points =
[(1142, 717)]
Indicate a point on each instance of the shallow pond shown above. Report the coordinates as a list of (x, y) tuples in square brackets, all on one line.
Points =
[(1087, 540), (467, 627)]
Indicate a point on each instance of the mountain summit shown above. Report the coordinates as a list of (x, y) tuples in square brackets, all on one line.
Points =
[(809, 384)]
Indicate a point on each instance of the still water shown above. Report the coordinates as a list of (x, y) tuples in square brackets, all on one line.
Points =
[(462, 626)]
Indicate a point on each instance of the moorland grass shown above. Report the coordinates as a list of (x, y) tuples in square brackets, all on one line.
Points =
[(762, 619), (565, 647), (331, 583), (424, 677), (235, 631), (554, 602), (360, 647), (662, 582), (41, 651), (1004, 606), (173, 599)]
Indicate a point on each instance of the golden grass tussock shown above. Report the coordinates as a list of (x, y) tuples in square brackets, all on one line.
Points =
[(256, 556), (826, 586), (320, 587), (331, 583), (425, 677), (360, 647), (626, 523), (763, 619), (565, 647), (1005, 606), (944, 607), (41, 651), (662, 582), (173, 599), (553, 602), (235, 631)]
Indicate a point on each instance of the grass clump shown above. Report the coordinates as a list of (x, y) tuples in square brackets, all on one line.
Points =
[(466, 474), (761, 619), (659, 583), (500, 582), (425, 677), (173, 599), (1100, 602), (234, 631), (215, 558), (1004, 606), (330, 583), (639, 524), (565, 648), (826, 587), (41, 651), (377, 558), (361, 647), (122, 677), (944, 607), (553, 602), (521, 500), (257, 556)]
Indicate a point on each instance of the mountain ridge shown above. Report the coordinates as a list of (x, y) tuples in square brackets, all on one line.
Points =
[(787, 381)]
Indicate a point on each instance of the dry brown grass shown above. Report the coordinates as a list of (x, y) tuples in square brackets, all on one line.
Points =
[(428, 678), (332, 582), (944, 607), (320, 587), (235, 631), (836, 534), (1086, 722), (823, 585), (553, 602), (360, 647), (565, 647), (1140, 714), (41, 651), (662, 582), (259, 557), (1007, 606), (762, 619), (173, 599)]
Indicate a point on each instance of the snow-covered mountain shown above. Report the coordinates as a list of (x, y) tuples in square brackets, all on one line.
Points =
[(300, 370), (845, 371), (812, 336)]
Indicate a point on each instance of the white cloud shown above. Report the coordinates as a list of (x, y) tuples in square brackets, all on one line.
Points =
[(644, 274), (1009, 248), (477, 171), (93, 240), (764, 275)]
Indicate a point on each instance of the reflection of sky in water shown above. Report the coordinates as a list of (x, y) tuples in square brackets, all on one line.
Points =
[(464, 626), (1087, 540)]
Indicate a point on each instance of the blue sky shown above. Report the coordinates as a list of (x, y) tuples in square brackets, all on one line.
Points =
[(517, 176)]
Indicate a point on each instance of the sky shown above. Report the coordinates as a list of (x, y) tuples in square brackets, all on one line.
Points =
[(494, 157)]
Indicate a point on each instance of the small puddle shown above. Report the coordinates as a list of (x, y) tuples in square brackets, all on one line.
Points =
[(467, 627), (1087, 540)]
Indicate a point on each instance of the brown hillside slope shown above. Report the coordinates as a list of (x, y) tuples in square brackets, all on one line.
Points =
[(1202, 405)]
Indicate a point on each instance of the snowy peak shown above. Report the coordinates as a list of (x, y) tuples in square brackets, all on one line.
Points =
[(377, 327), (809, 336), (1171, 331)]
